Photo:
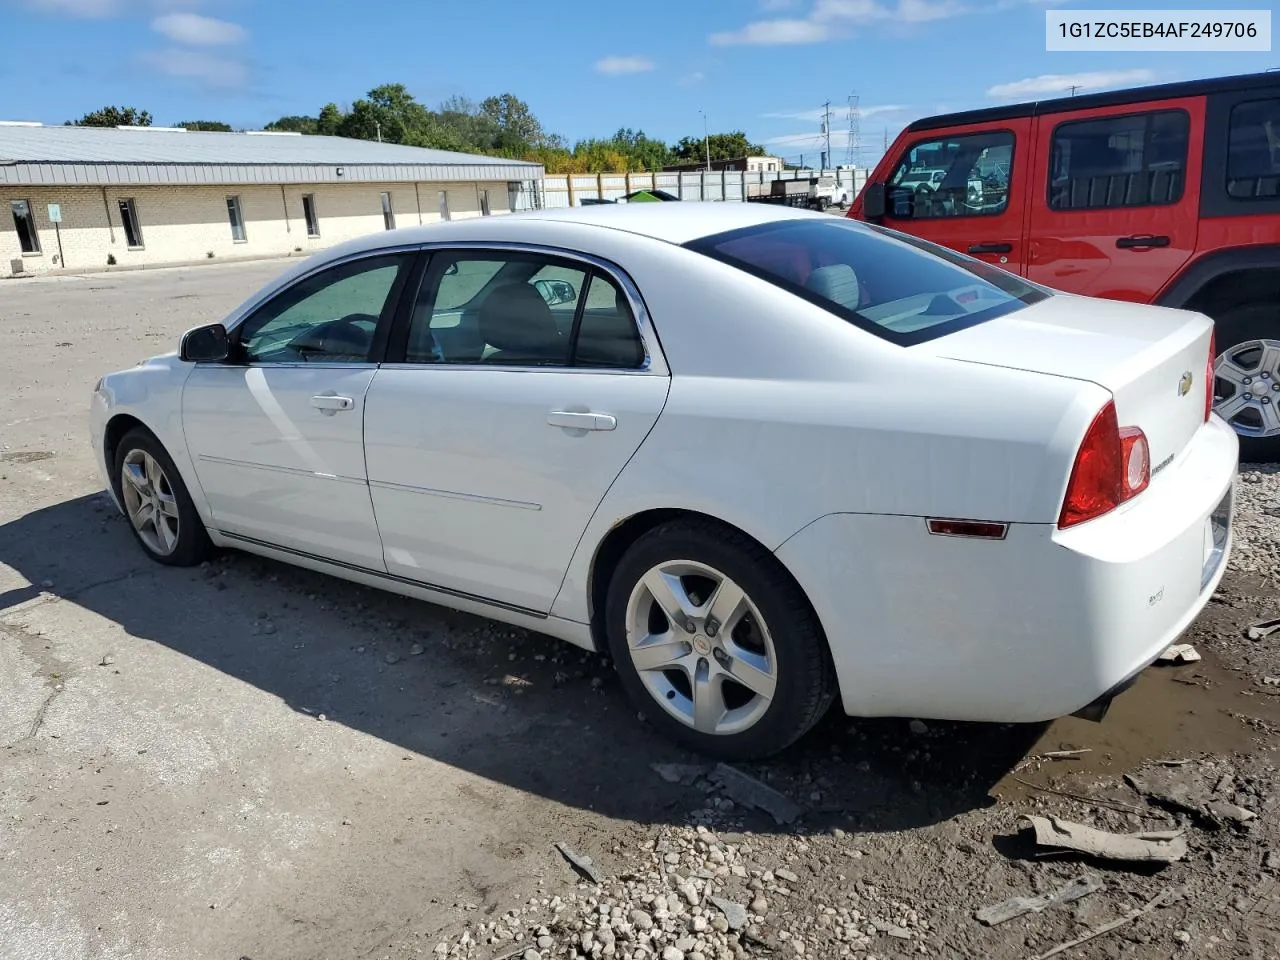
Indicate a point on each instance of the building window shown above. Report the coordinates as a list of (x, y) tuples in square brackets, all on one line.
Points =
[(388, 215), (443, 198), (309, 212), (25, 224), (1253, 154), (129, 220), (1132, 161), (484, 202), (237, 220)]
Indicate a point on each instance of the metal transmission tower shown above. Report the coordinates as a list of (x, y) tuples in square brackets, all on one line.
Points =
[(854, 152)]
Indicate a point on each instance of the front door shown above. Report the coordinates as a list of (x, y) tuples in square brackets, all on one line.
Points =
[(965, 190), (1115, 204), (276, 432), (522, 390)]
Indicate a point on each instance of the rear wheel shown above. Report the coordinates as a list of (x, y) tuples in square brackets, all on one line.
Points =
[(715, 643), (1246, 389)]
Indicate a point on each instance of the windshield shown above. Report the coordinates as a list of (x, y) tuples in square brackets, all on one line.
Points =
[(899, 287)]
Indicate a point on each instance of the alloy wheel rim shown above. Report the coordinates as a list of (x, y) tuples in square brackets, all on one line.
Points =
[(701, 647), (1246, 388), (149, 502)]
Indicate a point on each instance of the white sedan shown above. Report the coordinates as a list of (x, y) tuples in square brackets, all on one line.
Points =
[(762, 457)]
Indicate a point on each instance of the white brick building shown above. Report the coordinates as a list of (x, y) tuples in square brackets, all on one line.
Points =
[(147, 196)]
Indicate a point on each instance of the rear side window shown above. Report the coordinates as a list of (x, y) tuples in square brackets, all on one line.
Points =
[(901, 288), (1253, 156), (1137, 160), (963, 176)]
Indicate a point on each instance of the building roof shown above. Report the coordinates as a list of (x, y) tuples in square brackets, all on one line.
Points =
[(106, 155)]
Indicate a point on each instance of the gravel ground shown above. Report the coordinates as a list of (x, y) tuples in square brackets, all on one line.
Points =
[(249, 760)]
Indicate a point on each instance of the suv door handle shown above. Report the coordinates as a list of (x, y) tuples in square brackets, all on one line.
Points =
[(1142, 240), (991, 248), (573, 420), (331, 403)]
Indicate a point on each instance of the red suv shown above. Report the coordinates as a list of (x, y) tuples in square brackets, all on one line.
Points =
[(1167, 194)]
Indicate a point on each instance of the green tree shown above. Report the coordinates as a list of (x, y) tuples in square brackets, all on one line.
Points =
[(518, 128), (215, 126), (724, 146), (113, 117), (329, 121), (293, 124)]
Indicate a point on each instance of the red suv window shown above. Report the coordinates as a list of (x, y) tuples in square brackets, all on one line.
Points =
[(1136, 160)]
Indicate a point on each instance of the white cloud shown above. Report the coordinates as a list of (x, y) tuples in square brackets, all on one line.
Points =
[(210, 70), (197, 31), (773, 33), (77, 8), (773, 6), (1060, 84), (838, 110), (692, 79), (832, 19), (620, 66)]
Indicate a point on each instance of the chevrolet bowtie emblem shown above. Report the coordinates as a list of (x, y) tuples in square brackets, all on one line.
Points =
[(1184, 384)]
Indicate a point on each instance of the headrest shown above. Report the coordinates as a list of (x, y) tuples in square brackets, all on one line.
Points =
[(837, 282), (515, 318)]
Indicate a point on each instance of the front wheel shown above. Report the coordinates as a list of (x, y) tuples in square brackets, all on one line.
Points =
[(715, 643), (161, 513), (1246, 389)]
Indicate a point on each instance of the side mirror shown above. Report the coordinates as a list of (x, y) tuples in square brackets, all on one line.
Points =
[(209, 343), (555, 292), (873, 201)]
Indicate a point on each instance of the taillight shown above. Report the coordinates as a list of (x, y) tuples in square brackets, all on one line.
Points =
[(1111, 466), (1208, 374)]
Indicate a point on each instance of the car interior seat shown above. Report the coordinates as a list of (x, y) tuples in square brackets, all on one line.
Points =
[(838, 283), (519, 327)]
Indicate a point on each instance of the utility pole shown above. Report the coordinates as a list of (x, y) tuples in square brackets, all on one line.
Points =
[(826, 129), (854, 151), (706, 138), (1074, 88)]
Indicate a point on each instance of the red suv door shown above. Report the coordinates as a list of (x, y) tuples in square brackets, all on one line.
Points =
[(964, 188), (1114, 197)]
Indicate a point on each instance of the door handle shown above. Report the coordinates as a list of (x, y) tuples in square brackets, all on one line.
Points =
[(1142, 240), (991, 248), (332, 403), (573, 420)]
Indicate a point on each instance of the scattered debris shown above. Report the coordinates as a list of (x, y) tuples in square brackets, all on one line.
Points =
[(1018, 906), (1229, 813), (733, 912), (1180, 653), (1271, 681), (749, 791), (1156, 901), (1165, 846), (1065, 754), (1082, 797), (583, 864), (1170, 789), (684, 774), (918, 727), (417, 650), (107, 660), (1262, 629)]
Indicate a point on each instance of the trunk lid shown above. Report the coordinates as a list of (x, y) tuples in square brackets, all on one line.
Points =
[(1142, 354)]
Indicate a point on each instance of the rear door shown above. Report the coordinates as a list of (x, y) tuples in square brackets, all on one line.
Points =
[(1115, 197), (965, 188), (513, 397)]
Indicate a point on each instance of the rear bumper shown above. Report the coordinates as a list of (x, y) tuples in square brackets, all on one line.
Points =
[(1029, 628)]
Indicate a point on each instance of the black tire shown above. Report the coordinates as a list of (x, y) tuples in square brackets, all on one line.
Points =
[(805, 679), (1254, 321), (193, 544)]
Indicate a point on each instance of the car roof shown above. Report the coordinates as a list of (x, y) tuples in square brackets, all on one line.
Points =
[(672, 222)]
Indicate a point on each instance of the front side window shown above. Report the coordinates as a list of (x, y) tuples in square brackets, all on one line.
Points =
[(236, 218), (309, 212), (388, 215), (961, 176), (25, 224), (129, 220), (329, 317), (898, 287), (1138, 160), (1253, 154), (521, 310)]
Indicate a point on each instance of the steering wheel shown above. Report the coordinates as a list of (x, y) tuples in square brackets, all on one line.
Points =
[(343, 337)]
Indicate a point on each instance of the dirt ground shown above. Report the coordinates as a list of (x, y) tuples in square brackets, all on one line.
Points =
[(251, 761)]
